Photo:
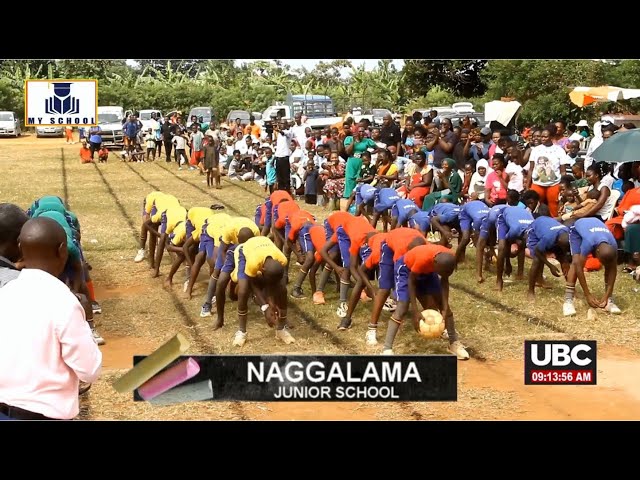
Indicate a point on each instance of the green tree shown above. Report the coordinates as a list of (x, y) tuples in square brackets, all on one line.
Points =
[(462, 77)]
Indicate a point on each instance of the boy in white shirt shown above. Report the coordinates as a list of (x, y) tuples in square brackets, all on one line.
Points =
[(514, 171)]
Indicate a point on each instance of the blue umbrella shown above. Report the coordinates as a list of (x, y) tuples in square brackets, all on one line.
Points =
[(622, 147)]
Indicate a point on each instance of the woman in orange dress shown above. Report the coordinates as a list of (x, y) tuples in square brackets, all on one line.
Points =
[(420, 182)]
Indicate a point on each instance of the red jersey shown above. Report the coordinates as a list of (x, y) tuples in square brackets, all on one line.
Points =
[(285, 209), (297, 220), (375, 244), (420, 259), (398, 240)]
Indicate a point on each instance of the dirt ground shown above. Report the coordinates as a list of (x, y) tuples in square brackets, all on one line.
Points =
[(139, 314)]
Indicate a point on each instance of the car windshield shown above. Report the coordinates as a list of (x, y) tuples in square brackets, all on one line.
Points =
[(109, 118), (380, 112), (6, 117), (205, 113), (146, 115), (241, 114)]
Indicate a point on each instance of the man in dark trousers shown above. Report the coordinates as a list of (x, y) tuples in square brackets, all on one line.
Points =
[(283, 167), (167, 129)]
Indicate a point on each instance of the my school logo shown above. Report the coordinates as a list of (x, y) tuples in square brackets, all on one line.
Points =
[(61, 102), (570, 362)]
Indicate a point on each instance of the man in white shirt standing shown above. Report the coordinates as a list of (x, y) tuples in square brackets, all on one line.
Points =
[(299, 130), (283, 167), (43, 354)]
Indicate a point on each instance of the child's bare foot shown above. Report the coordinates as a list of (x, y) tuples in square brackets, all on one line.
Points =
[(218, 324), (155, 274), (531, 296), (167, 284), (499, 285), (542, 284), (519, 277), (480, 279)]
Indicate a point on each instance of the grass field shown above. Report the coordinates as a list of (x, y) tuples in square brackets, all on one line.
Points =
[(139, 314)]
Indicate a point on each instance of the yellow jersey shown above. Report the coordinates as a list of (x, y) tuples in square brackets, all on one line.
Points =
[(149, 199), (255, 251), (179, 234), (162, 203), (174, 215), (197, 216), (215, 225), (234, 225)]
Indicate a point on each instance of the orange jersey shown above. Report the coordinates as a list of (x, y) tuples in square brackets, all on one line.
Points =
[(263, 213), (420, 259), (279, 195), (297, 221), (318, 238), (285, 209), (375, 244), (398, 240), (85, 155), (337, 219), (357, 229)]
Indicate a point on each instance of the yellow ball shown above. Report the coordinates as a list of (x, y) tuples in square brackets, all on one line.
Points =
[(431, 324)]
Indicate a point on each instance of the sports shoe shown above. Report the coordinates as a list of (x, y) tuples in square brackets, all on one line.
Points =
[(459, 350), (342, 309), (97, 337), (387, 351), (285, 336), (371, 337), (612, 308), (140, 256), (205, 311), (568, 309), (297, 292), (95, 306), (389, 306), (83, 387), (239, 339), (318, 298), (345, 324)]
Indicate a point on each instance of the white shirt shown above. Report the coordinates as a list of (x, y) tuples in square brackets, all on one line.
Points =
[(515, 177), (44, 352), (282, 143), (241, 145), (179, 142), (299, 134), (546, 164)]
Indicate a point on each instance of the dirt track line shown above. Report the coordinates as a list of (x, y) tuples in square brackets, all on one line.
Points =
[(335, 339), (201, 343), (65, 188)]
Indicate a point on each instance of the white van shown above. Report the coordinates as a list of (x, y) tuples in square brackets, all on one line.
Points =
[(9, 125)]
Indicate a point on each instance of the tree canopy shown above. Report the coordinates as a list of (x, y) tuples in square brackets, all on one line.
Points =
[(542, 86)]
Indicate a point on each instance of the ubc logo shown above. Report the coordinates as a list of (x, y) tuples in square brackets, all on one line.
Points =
[(559, 355), (560, 362), (62, 103)]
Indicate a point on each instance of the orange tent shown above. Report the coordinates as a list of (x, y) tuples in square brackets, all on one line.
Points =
[(583, 96)]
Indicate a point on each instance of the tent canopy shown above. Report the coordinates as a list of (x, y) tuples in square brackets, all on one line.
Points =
[(583, 96)]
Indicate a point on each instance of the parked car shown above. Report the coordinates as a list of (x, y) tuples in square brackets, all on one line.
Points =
[(205, 112), (243, 115), (9, 124), (145, 117), (49, 132)]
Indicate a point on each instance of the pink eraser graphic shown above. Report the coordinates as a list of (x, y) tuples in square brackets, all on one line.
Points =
[(176, 375)]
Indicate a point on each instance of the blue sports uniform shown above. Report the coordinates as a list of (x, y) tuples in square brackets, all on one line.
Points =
[(587, 233)]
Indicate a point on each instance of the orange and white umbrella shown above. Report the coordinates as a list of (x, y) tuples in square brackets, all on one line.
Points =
[(583, 96)]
